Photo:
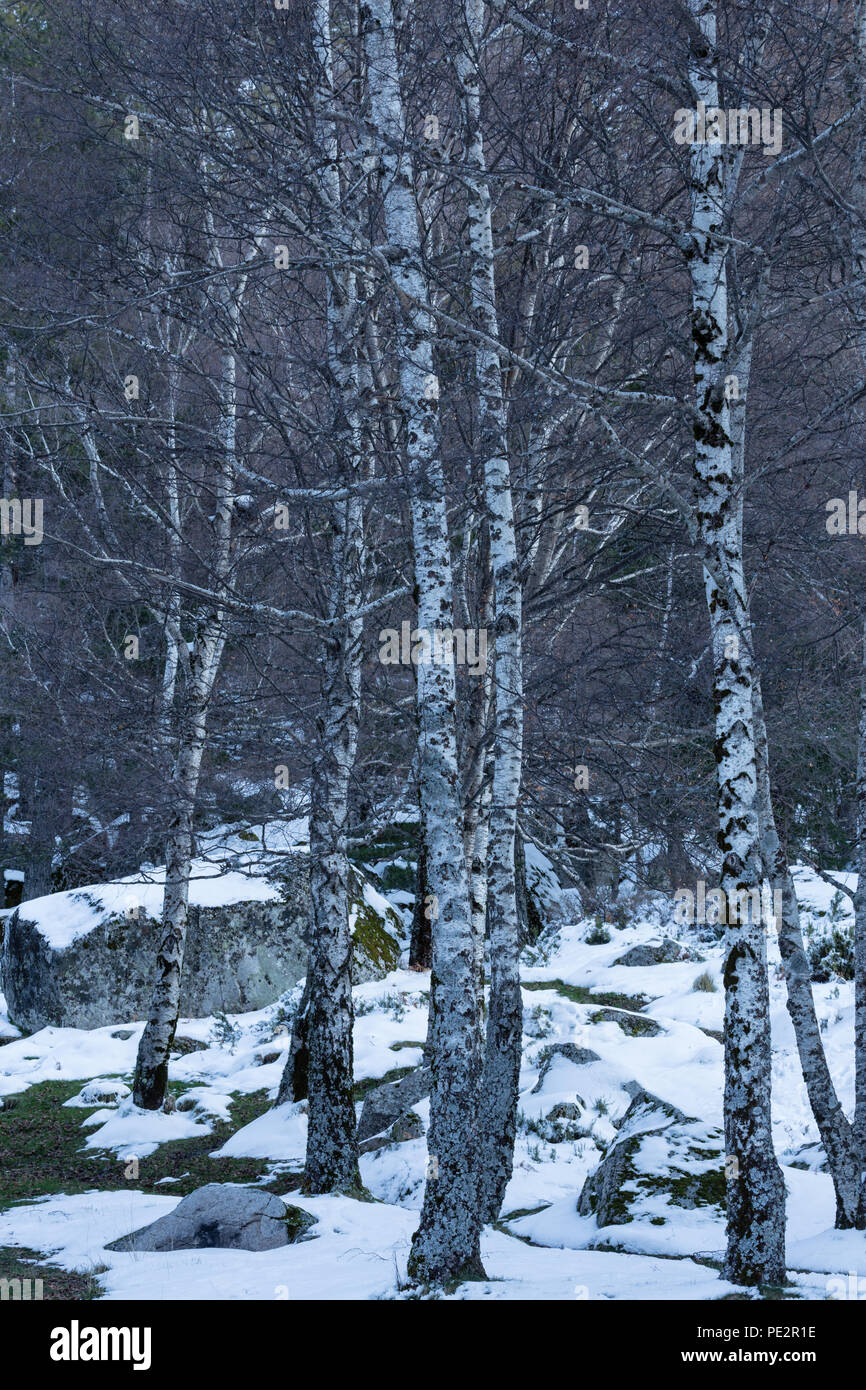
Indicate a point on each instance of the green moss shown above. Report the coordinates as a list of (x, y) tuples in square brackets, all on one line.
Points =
[(580, 994), (631, 1024), (298, 1222), (373, 941)]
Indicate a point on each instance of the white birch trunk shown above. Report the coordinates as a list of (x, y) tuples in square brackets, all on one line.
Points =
[(332, 1146), (837, 1135), (446, 1243), (151, 1068), (498, 1119), (755, 1187), (860, 930), (858, 271)]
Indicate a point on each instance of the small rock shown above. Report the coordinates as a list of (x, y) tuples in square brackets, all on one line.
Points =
[(383, 1105), (181, 1047), (580, 1056), (635, 1025), (103, 1093), (666, 952), (225, 1216), (406, 1127)]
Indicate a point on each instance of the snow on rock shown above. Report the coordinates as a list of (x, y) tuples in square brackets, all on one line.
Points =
[(86, 956)]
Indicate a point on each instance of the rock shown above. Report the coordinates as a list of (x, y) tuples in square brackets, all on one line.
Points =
[(224, 1216), (659, 1158), (580, 1056), (667, 952), (240, 956), (123, 1034), (406, 1127), (635, 1025), (181, 1047), (102, 1093), (385, 1104)]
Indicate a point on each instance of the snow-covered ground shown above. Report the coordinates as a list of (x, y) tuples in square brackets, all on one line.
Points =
[(542, 1248)]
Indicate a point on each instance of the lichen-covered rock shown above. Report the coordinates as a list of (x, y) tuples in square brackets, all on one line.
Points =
[(665, 952), (225, 1216), (376, 931), (635, 1025), (86, 958), (580, 1056), (659, 1158), (405, 1128), (385, 1104)]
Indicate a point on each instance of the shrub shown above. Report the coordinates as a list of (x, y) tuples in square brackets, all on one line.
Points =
[(598, 935), (832, 956)]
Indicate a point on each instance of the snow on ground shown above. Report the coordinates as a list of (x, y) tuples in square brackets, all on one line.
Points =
[(543, 1249)]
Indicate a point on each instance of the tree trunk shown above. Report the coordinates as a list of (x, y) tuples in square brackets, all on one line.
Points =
[(332, 1145), (755, 1187), (836, 1133), (294, 1082), (857, 220), (421, 939), (499, 1096), (860, 930), (151, 1066), (446, 1243)]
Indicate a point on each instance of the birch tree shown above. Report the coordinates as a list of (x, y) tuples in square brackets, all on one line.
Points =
[(755, 1187), (332, 1146), (498, 1117), (446, 1244)]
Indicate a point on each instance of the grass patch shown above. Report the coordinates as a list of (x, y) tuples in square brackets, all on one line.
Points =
[(580, 994), (17, 1262), (42, 1151)]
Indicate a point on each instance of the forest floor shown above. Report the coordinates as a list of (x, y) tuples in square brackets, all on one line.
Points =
[(79, 1166)]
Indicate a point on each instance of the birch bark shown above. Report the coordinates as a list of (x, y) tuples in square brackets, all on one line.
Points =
[(837, 1135), (860, 930), (755, 1187), (499, 1096), (332, 1146), (858, 271), (446, 1243), (151, 1067)]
